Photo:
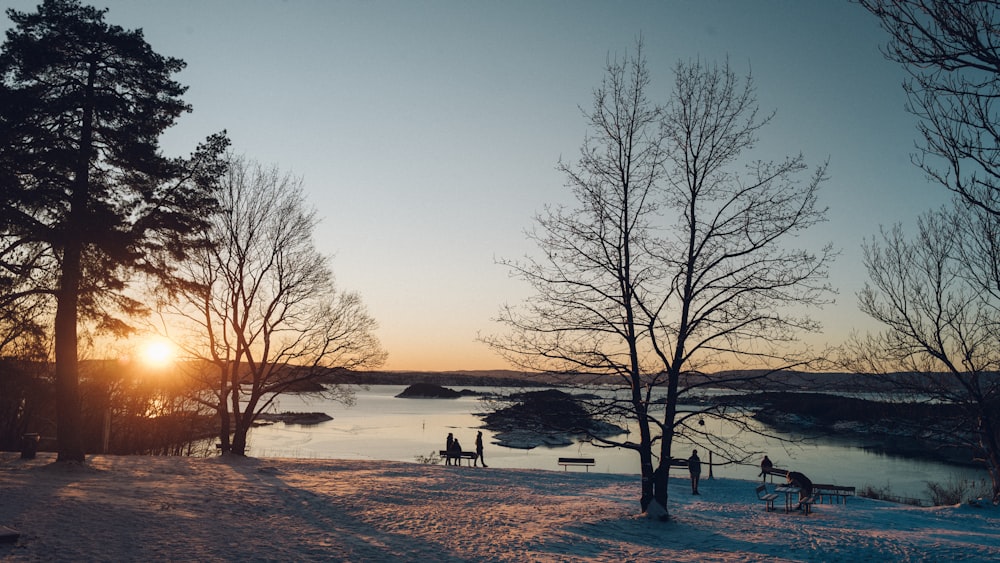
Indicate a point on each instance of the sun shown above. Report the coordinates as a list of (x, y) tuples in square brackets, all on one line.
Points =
[(157, 353)]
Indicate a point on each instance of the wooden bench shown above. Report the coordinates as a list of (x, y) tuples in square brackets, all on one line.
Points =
[(773, 472), (806, 503), (832, 493), (458, 457), (581, 461), (767, 497), (678, 462)]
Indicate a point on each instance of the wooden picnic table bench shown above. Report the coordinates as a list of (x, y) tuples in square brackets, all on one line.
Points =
[(587, 462), (832, 493), (805, 502), (773, 472), (767, 497), (459, 456)]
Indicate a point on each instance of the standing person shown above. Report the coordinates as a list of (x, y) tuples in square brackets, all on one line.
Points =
[(765, 465), (694, 468), (447, 449), (479, 449)]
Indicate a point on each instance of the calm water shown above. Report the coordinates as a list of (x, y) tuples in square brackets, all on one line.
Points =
[(380, 426)]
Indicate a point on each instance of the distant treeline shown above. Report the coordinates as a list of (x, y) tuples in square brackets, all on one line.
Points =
[(122, 411), (824, 409), (483, 378), (734, 379)]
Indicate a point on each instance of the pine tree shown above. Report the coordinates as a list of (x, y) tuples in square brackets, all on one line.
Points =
[(86, 197)]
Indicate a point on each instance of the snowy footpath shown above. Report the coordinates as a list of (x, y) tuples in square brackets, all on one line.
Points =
[(184, 509)]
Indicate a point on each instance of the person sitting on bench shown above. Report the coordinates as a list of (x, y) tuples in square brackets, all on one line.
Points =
[(765, 465), (447, 448)]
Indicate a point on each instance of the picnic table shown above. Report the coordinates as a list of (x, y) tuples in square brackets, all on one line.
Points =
[(788, 491), (832, 493), (804, 502)]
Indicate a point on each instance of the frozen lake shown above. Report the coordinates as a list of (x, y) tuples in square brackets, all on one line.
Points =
[(381, 426)]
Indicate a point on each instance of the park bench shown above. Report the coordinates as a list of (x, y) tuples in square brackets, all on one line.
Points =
[(832, 493), (577, 461), (773, 472), (807, 502), (458, 457), (766, 497)]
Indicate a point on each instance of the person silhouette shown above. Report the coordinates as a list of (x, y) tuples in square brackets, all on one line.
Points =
[(479, 449), (694, 468), (447, 448), (804, 484), (765, 465)]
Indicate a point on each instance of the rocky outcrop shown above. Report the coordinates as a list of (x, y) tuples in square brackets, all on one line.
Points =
[(428, 391), (920, 430), (303, 418), (431, 391), (545, 418)]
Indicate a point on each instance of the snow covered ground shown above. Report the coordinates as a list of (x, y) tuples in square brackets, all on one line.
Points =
[(181, 509)]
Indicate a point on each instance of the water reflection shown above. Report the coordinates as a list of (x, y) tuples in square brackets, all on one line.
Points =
[(380, 426)]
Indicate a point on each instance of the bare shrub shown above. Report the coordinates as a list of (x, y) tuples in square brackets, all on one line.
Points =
[(431, 459), (955, 490)]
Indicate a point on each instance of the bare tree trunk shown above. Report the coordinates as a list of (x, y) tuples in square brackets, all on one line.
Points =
[(667, 439), (239, 446), (645, 447), (991, 448)]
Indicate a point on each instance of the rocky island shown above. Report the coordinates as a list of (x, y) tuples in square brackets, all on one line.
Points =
[(302, 418), (908, 429), (431, 391), (545, 418)]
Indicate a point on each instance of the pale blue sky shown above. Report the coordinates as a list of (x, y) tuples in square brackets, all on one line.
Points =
[(427, 133)]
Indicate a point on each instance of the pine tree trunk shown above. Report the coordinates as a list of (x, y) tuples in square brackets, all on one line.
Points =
[(68, 419)]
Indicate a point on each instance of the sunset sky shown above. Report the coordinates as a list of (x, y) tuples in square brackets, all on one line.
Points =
[(427, 133)]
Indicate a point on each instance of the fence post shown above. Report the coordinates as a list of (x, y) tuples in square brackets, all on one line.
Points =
[(710, 476)]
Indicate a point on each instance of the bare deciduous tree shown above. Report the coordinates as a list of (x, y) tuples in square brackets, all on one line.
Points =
[(585, 316), (938, 296), (261, 304), (672, 265), (952, 53), (736, 296)]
